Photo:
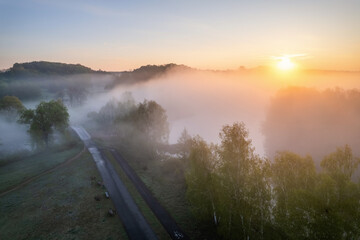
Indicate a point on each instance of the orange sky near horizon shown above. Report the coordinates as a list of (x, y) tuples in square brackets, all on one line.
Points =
[(118, 36)]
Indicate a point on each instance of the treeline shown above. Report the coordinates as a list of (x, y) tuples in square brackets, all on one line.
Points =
[(20, 89), (310, 121), (71, 91), (235, 194), (36, 69)]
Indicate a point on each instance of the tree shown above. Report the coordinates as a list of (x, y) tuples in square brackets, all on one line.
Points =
[(9, 103), (184, 142), (151, 119), (10, 107), (245, 198), (233, 190), (47, 117), (114, 111), (228, 185), (74, 94), (293, 178), (312, 205), (341, 164), (299, 119), (201, 181)]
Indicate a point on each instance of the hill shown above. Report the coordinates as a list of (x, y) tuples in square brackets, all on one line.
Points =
[(42, 68), (145, 73)]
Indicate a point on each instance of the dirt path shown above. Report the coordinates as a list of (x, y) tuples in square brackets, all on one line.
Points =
[(27, 181)]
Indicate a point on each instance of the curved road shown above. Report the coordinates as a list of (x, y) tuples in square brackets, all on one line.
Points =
[(130, 215)]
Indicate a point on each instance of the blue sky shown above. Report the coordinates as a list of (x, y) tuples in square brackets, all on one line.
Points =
[(120, 35)]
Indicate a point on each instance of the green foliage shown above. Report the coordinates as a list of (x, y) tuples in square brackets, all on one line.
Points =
[(184, 144), (201, 181), (229, 185), (143, 124), (9, 103), (10, 108), (243, 196), (114, 111), (126, 119), (312, 205), (150, 119), (292, 177), (47, 117), (341, 163)]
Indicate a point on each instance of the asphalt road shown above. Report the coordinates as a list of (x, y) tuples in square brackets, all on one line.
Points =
[(134, 222), (160, 212)]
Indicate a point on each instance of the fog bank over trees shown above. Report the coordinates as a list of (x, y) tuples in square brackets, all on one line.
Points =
[(203, 101), (311, 121), (200, 101)]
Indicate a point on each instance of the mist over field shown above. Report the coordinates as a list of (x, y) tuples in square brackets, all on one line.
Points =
[(13, 137)]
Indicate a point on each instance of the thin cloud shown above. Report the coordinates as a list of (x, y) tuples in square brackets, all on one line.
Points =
[(298, 55)]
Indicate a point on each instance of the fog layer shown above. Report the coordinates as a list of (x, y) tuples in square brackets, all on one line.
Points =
[(202, 102), (13, 137)]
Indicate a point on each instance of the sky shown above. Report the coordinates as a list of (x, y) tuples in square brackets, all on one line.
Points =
[(123, 35)]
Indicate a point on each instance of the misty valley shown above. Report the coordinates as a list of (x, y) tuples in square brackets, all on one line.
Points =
[(174, 152)]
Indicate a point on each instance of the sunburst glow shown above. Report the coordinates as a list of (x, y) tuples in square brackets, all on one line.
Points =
[(285, 63)]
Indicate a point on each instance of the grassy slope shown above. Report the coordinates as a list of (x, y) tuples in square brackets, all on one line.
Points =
[(60, 205), (17, 171)]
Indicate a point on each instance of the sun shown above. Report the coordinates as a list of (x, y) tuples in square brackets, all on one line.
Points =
[(285, 63)]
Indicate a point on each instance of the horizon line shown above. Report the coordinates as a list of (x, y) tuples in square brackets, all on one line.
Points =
[(240, 68)]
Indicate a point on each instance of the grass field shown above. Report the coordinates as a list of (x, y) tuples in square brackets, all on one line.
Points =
[(60, 205), (18, 170)]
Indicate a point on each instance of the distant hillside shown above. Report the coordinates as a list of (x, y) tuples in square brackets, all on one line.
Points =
[(36, 69), (145, 73)]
